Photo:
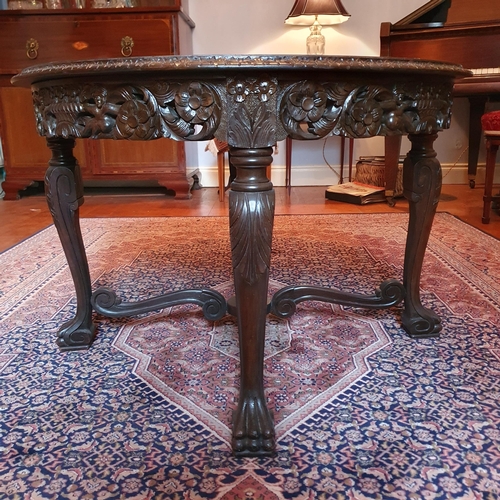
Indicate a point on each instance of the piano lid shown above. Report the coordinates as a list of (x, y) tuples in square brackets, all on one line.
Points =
[(436, 13), (433, 13)]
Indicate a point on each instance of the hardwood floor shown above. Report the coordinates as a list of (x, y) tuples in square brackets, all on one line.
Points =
[(22, 218)]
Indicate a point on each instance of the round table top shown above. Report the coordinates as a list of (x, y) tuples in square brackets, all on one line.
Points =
[(217, 64)]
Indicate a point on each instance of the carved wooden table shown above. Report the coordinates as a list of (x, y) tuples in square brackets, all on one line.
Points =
[(251, 102)]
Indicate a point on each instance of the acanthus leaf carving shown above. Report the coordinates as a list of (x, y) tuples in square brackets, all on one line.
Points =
[(240, 127), (252, 113), (251, 246), (264, 126)]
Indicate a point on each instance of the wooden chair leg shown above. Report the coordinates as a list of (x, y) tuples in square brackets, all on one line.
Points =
[(351, 156), (392, 152), (491, 154), (342, 152), (221, 167), (288, 164), (268, 172)]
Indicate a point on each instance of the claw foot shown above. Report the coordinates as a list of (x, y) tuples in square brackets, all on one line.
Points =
[(253, 429)]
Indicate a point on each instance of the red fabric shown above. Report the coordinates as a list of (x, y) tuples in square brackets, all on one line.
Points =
[(491, 121)]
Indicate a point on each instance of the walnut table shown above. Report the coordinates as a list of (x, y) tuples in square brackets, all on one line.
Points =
[(251, 102)]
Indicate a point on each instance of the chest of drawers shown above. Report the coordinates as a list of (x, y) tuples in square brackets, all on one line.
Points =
[(36, 37)]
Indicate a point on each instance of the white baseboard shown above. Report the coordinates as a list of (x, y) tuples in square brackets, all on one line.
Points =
[(321, 175)]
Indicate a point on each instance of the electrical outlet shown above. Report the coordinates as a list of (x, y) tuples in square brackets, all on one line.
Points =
[(459, 144)]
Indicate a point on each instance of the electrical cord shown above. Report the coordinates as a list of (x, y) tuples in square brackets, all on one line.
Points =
[(326, 161)]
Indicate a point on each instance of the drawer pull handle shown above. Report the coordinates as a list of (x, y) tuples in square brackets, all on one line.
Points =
[(32, 48), (127, 45)]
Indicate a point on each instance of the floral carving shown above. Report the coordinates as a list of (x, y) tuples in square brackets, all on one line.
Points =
[(317, 106), (365, 117), (364, 111), (247, 109), (307, 102), (263, 87), (127, 112), (194, 102), (238, 88), (135, 121)]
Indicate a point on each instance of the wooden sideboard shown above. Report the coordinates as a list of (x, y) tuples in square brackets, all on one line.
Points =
[(40, 36)]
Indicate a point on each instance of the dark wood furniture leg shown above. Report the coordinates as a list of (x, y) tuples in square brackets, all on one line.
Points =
[(251, 213), (64, 192), (392, 152), (342, 154), (288, 164), (351, 157), (476, 110), (12, 188), (221, 174), (492, 144), (422, 186)]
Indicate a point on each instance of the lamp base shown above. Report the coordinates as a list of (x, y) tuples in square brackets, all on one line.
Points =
[(315, 41)]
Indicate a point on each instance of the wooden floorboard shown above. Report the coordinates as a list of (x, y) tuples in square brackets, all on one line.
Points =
[(22, 218)]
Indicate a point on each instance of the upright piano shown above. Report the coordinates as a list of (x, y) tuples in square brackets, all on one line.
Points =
[(465, 32)]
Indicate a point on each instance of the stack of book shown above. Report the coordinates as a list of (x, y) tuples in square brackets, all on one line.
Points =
[(356, 192)]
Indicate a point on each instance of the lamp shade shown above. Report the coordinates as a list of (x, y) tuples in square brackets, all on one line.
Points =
[(305, 12)]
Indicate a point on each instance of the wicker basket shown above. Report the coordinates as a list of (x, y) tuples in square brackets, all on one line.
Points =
[(371, 170)]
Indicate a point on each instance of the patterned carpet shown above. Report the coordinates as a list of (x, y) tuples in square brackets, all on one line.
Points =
[(361, 410)]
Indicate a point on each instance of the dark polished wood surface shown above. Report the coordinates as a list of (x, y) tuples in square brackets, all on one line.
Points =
[(469, 35), (30, 37), (250, 102)]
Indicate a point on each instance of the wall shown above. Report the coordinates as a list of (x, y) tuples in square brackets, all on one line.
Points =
[(257, 27)]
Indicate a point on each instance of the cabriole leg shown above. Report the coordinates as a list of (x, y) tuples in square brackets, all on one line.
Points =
[(64, 192), (422, 187)]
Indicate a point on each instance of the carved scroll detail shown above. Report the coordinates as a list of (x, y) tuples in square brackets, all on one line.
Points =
[(64, 191), (182, 111), (310, 110)]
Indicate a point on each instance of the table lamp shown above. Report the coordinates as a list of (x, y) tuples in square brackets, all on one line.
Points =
[(317, 13)]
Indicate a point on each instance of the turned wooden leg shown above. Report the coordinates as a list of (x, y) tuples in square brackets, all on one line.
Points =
[(288, 164), (422, 187), (64, 192), (251, 212), (491, 154), (476, 110), (392, 152)]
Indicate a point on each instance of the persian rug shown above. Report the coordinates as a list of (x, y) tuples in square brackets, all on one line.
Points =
[(361, 410)]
